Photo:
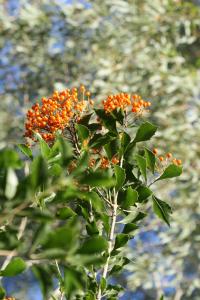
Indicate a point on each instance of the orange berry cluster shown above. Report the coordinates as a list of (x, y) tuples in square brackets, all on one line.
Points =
[(105, 162), (139, 104), (168, 157), (9, 298), (124, 100), (55, 113), (112, 102)]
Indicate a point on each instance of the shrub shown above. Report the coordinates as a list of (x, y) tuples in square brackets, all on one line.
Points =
[(68, 211)]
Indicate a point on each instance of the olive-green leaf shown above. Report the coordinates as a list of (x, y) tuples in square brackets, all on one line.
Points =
[(141, 162), (65, 213), (170, 172), (131, 197), (121, 240), (44, 147), (125, 140), (103, 284), (83, 132), (145, 132), (161, 209), (2, 293), (96, 179), (16, 266), (82, 163), (120, 176), (73, 282), (107, 119), (66, 150), (130, 227), (25, 150), (95, 244), (99, 140), (150, 159), (139, 217), (39, 172), (144, 192)]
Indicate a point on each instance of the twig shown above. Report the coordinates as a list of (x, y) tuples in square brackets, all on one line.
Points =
[(13, 253), (111, 235)]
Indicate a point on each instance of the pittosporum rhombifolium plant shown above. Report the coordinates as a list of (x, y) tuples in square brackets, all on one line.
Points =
[(79, 195)]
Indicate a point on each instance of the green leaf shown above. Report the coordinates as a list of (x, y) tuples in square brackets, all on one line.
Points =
[(11, 183), (130, 151), (52, 253), (131, 198), (120, 177), (66, 151), (145, 132), (39, 172), (64, 237), (139, 217), (103, 284), (95, 244), (120, 264), (141, 162), (162, 297), (85, 119), (2, 293), (90, 296), (143, 192), (121, 240), (83, 132), (42, 272), (15, 267), (108, 120), (65, 213), (170, 172), (92, 228), (150, 159), (94, 198), (55, 170), (95, 179), (118, 115), (129, 228), (125, 141), (9, 159), (73, 282), (44, 147), (94, 127), (132, 218), (162, 209), (112, 148), (25, 150), (82, 164), (100, 140)]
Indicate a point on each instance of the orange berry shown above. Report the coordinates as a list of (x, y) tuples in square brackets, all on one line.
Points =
[(161, 158), (135, 109), (88, 94), (155, 151), (115, 160), (82, 88), (169, 155), (174, 161), (179, 161)]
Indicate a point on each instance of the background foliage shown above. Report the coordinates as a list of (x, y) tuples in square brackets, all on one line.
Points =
[(149, 47)]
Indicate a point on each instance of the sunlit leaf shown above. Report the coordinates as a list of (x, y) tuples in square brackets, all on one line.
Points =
[(15, 267), (145, 132), (162, 209)]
